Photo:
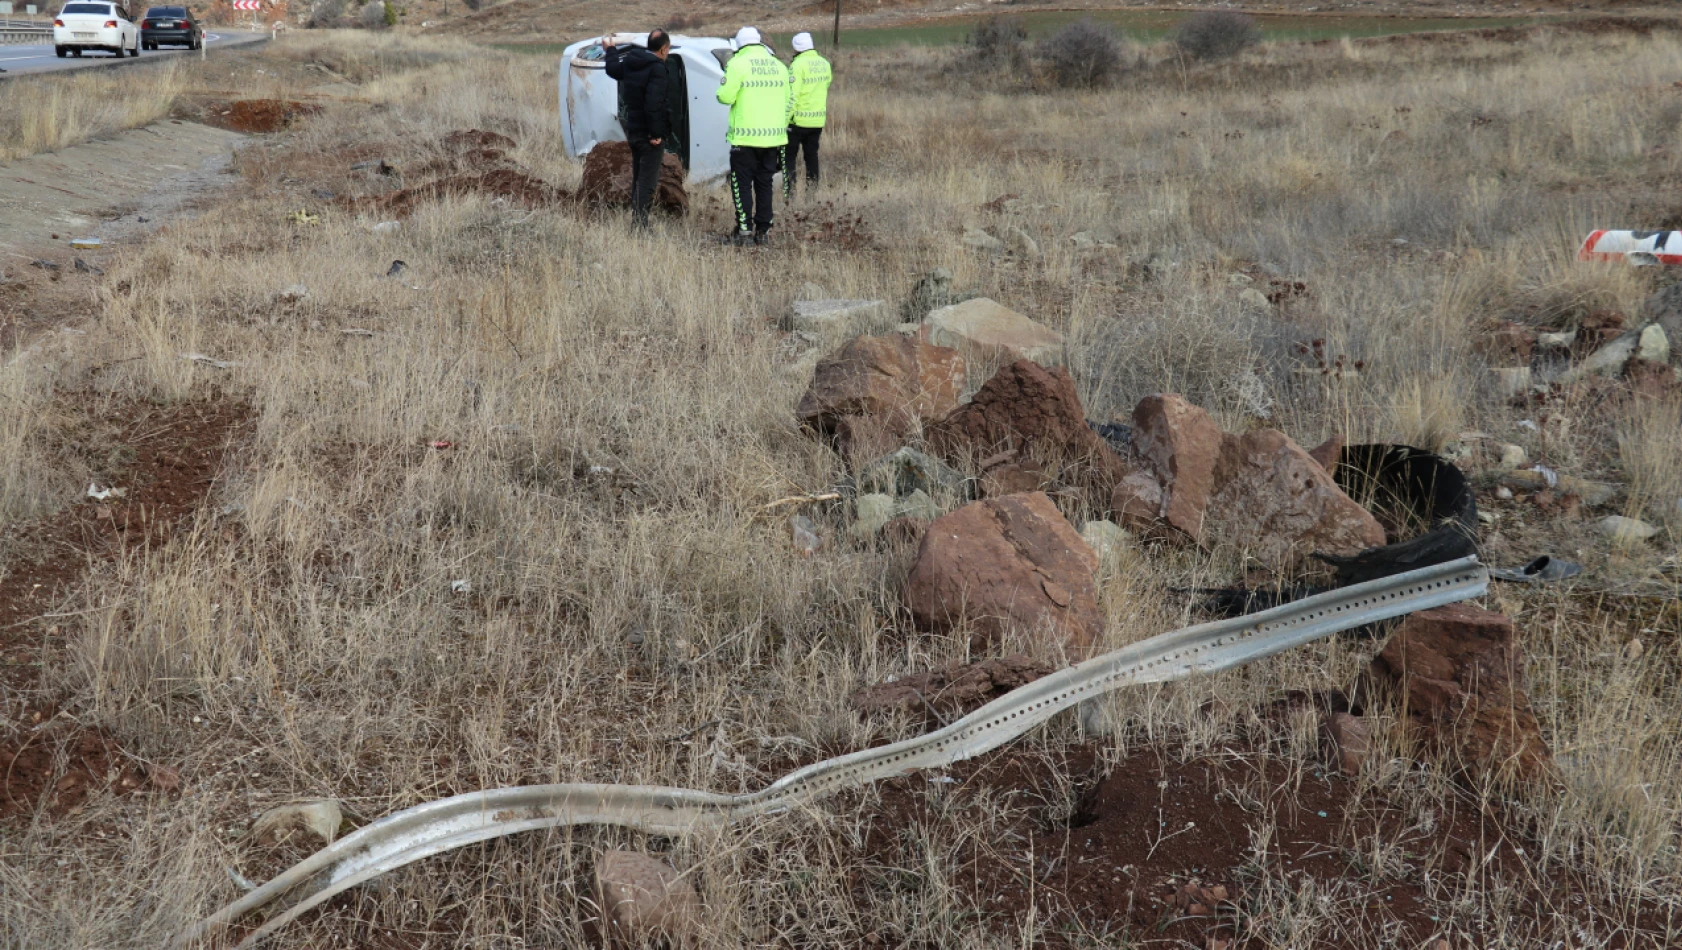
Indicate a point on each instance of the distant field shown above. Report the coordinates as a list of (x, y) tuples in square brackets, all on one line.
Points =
[(1140, 25)]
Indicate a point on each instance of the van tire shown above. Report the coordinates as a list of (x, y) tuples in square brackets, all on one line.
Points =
[(60, 51)]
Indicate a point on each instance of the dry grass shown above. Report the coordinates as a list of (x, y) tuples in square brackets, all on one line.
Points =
[(620, 407), (53, 112)]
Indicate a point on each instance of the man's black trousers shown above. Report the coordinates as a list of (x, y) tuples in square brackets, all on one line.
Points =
[(800, 138), (752, 171), (645, 175)]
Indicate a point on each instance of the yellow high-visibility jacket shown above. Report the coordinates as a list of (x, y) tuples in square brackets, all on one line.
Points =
[(756, 89), (811, 76)]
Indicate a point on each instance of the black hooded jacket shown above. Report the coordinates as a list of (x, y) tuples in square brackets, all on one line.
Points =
[(642, 90)]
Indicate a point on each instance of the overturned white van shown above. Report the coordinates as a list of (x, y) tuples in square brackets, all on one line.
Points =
[(590, 101)]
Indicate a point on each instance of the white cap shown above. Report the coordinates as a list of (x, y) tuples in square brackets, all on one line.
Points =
[(802, 42), (746, 36)]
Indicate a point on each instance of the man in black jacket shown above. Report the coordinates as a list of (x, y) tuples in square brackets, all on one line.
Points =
[(641, 74)]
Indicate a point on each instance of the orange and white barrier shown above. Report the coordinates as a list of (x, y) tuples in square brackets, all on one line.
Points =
[(1636, 247)]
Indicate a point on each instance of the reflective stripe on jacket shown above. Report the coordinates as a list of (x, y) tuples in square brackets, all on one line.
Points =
[(756, 88), (810, 75)]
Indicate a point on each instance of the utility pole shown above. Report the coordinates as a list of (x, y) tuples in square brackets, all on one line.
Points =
[(837, 38)]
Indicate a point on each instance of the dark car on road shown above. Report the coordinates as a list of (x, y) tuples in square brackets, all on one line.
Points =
[(171, 26)]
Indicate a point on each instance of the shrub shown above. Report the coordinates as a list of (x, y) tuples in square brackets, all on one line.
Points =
[(1217, 34), (999, 36), (1082, 55), (474, 5), (390, 13), (371, 16), (326, 15)]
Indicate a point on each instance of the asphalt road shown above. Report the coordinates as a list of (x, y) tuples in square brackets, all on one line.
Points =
[(24, 60)]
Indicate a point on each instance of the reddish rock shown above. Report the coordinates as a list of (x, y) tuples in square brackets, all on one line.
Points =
[(1011, 478), (957, 689), (876, 389), (1508, 344), (1007, 562), (1596, 330), (1136, 501), (1275, 502), (1351, 740), (607, 179), (1328, 453), (905, 530), (1650, 380), (1179, 444), (1458, 674), (1034, 412)]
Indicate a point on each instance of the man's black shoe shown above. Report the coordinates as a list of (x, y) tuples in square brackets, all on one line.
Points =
[(761, 238)]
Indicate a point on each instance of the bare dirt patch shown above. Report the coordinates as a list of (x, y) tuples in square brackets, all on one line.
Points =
[(260, 116), (177, 451), (1200, 853), (55, 766)]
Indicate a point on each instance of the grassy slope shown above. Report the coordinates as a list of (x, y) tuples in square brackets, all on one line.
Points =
[(621, 407)]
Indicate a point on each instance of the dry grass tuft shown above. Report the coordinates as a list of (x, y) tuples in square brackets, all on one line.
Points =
[(48, 113)]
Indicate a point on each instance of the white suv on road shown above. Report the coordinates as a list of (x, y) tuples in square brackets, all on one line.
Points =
[(95, 24)]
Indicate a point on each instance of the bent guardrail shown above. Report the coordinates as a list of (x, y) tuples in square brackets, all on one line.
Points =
[(450, 823)]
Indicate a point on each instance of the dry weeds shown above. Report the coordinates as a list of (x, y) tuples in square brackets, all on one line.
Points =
[(619, 407), (52, 112)]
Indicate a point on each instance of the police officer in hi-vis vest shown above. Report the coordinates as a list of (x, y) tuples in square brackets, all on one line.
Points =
[(756, 89), (810, 75)]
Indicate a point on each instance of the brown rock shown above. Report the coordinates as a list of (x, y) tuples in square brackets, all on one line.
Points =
[(905, 530), (1011, 478), (1458, 674), (875, 389), (1274, 501), (1508, 344), (1352, 740), (1179, 444), (1034, 412), (1328, 453), (956, 689), (1006, 562), (643, 898), (1136, 501), (608, 175), (1651, 380)]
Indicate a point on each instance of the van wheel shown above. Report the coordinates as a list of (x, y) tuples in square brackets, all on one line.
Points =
[(60, 51), (77, 52), (135, 53)]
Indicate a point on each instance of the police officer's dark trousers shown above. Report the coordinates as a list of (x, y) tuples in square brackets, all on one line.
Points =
[(752, 183), (801, 139)]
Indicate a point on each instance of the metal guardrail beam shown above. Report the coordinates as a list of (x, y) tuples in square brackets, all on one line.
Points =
[(17, 37), (450, 823)]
